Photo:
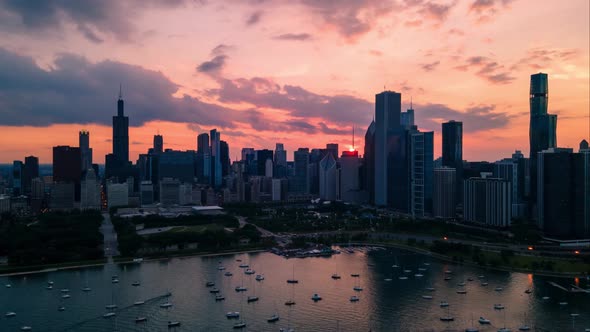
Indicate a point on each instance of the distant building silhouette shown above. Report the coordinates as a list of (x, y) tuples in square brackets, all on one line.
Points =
[(85, 150), (487, 201), (328, 177), (299, 183), (583, 145), (445, 184), (158, 143), (30, 171), (452, 153), (121, 133), (216, 174)]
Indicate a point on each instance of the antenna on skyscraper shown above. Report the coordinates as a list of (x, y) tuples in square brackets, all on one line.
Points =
[(120, 91), (411, 103), (353, 137)]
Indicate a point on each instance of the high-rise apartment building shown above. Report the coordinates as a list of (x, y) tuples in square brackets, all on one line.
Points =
[(85, 150), (452, 153), (444, 188)]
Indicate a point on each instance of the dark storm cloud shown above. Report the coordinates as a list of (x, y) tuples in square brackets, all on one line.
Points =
[(476, 118), (213, 65), (487, 69), (110, 17), (430, 66), (293, 36), (254, 18), (75, 90)]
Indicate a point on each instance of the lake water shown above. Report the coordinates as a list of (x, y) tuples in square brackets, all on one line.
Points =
[(395, 305)]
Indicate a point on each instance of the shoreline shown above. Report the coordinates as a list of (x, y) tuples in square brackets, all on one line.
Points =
[(64, 266), (469, 263)]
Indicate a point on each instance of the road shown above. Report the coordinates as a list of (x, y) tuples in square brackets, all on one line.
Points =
[(110, 237)]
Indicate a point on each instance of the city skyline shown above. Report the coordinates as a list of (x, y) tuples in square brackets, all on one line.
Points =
[(226, 81)]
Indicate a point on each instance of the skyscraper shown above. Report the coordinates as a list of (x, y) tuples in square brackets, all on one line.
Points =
[(444, 188), (583, 145), (369, 163), (261, 157), (333, 149), (300, 181), (487, 201), (30, 171), (224, 156), (421, 172), (327, 177), (17, 177), (121, 133), (158, 143), (563, 195), (280, 162), (542, 129), (85, 150), (90, 191), (216, 174), (407, 118), (203, 160), (452, 153), (349, 176), (387, 120), (66, 164)]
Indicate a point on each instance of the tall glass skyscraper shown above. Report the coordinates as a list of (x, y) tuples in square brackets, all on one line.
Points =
[(452, 153), (388, 106), (542, 129)]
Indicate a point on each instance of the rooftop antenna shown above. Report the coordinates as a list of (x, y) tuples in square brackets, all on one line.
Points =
[(411, 103), (120, 91)]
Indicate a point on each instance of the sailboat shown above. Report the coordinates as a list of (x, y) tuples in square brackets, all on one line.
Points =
[(241, 324), (253, 297), (241, 288), (275, 317), (293, 280), (357, 287), (504, 329), (448, 317), (472, 328), (291, 301), (524, 326)]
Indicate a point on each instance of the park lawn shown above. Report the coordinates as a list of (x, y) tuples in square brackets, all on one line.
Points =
[(196, 229)]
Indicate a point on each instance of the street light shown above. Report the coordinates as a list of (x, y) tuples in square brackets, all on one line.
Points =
[(577, 252), (530, 248)]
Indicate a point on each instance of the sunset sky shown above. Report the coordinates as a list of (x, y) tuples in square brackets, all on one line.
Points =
[(300, 72)]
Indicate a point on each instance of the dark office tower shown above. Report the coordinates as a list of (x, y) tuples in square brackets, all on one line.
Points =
[(30, 171), (583, 145), (177, 165), (542, 129), (300, 181), (224, 155), (121, 134), (443, 196), (421, 172), (215, 158), (261, 157), (407, 118), (452, 152), (280, 162), (333, 149), (66, 167), (368, 184), (17, 178), (563, 200), (387, 120), (203, 159), (85, 150), (158, 144)]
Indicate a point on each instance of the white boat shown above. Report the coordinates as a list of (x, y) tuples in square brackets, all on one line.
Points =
[(165, 305), (574, 315), (241, 289), (110, 306), (140, 319), (61, 309), (219, 297), (252, 298), (228, 274), (461, 284), (484, 283), (283, 329), (292, 281), (524, 328), (65, 290), (387, 279), (484, 321), (471, 329), (498, 289), (10, 314), (65, 296), (86, 289), (139, 303), (562, 303), (249, 271), (50, 282), (335, 276), (357, 288), (244, 266), (448, 271), (427, 297), (49, 287), (418, 275), (115, 281), (273, 318), (26, 328), (239, 325), (259, 277), (221, 268), (461, 291), (504, 329), (137, 260), (430, 289), (8, 285), (421, 269), (528, 291), (214, 290), (426, 264), (546, 298), (444, 304), (232, 314), (173, 324), (109, 315), (355, 275), (407, 271), (481, 276), (403, 278), (354, 298), (498, 306), (316, 297), (209, 284), (135, 283), (290, 302), (448, 278), (447, 318)]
